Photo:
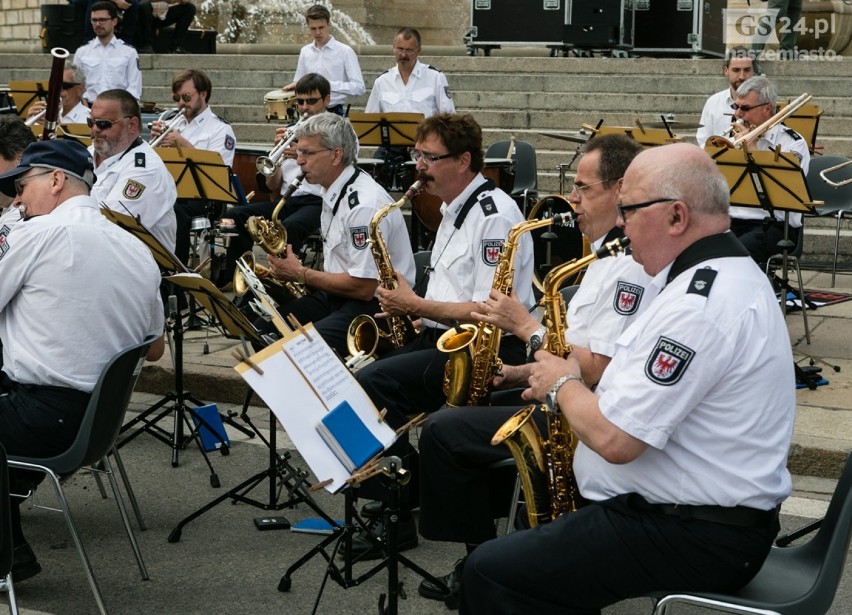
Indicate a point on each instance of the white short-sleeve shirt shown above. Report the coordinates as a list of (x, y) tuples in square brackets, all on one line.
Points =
[(426, 92)]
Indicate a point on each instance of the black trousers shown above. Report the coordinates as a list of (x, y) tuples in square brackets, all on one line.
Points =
[(459, 495), (300, 216), (36, 421), (761, 237), (607, 552)]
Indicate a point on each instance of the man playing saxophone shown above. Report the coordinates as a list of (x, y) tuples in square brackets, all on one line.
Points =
[(477, 217), (346, 287), (456, 486), (684, 442)]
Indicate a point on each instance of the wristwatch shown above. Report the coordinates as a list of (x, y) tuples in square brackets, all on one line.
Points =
[(537, 339), (551, 400)]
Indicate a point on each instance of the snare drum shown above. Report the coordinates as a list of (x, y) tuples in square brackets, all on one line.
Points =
[(554, 245), (279, 105), (199, 224)]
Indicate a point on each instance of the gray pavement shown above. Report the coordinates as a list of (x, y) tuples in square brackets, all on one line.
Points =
[(222, 564)]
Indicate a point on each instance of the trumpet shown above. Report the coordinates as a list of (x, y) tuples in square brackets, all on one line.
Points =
[(836, 184), (172, 125), (266, 165), (35, 119)]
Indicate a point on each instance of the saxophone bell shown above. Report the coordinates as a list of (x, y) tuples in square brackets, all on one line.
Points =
[(458, 342)]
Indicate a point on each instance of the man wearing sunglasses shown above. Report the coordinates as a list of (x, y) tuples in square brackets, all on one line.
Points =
[(755, 103), (59, 262), (132, 178), (477, 217), (199, 129), (301, 214), (72, 109), (683, 486), (716, 117), (107, 61)]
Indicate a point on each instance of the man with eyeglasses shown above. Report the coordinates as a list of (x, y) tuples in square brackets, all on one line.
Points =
[(347, 285), (330, 58), (200, 128), (132, 179), (409, 87), (76, 291), (683, 486), (301, 214), (716, 117), (759, 233), (457, 486), (73, 111), (477, 217), (107, 61)]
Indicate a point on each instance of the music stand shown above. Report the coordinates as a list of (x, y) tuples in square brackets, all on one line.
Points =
[(25, 93), (770, 180), (81, 133), (805, 121), (390, 131), (647, 137), (201, 175)]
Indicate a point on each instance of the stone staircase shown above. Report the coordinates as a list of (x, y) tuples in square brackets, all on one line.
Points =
[(515, 93)]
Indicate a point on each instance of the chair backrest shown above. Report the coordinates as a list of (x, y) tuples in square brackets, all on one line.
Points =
[(104, 414), (6, 546), (831, 544), (525, 167), (835, 198)]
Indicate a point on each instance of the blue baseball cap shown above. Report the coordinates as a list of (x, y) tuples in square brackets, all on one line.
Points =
[(63, 154)]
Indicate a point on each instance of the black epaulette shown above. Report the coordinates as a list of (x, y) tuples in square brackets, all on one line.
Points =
[(221, 119), (139, 160), (430, 67), (352, 199), (488, 205), (702, 282), (792, 133)]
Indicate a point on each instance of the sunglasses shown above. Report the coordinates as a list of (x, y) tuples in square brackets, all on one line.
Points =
[(104, 124), (19, 182), (746, 108), (307, 101), (183, 97), (67, 85)]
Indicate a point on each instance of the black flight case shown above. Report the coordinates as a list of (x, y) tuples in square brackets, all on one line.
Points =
[(680, 27)]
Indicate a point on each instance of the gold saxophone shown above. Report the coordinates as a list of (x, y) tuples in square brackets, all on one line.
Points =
[(473, 349), (364, 334), (272, 236), (546, 466)]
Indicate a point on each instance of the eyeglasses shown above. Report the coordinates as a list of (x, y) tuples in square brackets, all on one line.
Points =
[(183, 97), (101, 19), (67, 85), (307, 153), (104, 124), (307, 101), (623, 209), (405, 51), (746, 108), (19, 183), (429, 159), (581, 189)]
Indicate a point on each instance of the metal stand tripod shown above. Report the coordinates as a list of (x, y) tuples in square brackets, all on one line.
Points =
[(396, 476), (280, 473)]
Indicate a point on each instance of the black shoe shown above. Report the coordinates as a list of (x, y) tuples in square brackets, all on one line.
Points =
[(178, 49), (363, 549), (373, 509), (24, 564), (433, 591)]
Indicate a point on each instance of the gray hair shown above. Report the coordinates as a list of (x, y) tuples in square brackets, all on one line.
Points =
[(335, 131), (696, 182), (765, 90)]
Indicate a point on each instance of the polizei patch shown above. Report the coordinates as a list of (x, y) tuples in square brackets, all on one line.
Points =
[(627, 298), (491, 249), (359, 237), (668, 361)]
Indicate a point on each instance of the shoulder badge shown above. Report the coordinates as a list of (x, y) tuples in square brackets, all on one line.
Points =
[(229, 142), (627, 298), (139, 160), (4, 243), (668, 362), (359, 237), (133, 189), (491, 251), (793, 134), (352, 199), (448, 92), (488, 206), (702, 282)]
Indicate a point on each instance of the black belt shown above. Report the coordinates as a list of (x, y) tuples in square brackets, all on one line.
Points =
[(741, 516)]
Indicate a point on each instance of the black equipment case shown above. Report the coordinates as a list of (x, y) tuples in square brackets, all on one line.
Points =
[(62, 26), (680, 27), (196, 41)]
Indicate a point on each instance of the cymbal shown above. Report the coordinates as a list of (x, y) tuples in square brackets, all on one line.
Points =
[(575, 137), (673, 124)]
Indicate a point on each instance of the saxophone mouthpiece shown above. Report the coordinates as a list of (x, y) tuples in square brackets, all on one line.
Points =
[(413, 190)]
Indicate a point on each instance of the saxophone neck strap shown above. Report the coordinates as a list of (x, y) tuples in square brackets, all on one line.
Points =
[(471, 201)]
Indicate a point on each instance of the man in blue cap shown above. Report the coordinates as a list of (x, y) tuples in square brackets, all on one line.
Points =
[(62, 258)]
